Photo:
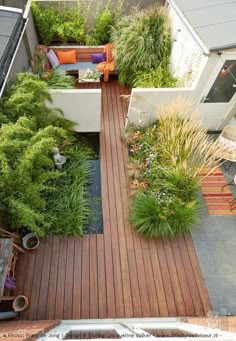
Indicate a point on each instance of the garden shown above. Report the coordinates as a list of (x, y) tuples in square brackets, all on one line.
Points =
[(35, 195), (166, 159), (142, 39)]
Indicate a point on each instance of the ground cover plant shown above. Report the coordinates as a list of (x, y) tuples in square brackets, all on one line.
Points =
[(160, 77), (34, 195), (142, 42), (166, 159)]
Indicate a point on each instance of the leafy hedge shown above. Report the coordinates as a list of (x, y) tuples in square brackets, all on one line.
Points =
[(34, 195), (58, 23)]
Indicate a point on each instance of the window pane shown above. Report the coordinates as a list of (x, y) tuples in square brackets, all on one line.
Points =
[(222, 90)]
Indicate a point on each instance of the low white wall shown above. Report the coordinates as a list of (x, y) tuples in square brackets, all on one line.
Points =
[(82, 106), (144, 103)]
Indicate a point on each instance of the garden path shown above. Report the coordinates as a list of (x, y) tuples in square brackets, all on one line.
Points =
[(118, 273)]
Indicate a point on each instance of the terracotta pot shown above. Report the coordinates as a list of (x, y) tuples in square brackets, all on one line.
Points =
[(20, 303)]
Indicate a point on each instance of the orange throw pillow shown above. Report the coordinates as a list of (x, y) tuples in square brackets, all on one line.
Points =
[(66, 57)]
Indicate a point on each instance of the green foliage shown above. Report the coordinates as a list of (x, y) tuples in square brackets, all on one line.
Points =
[(57, 23), (27, 97), (68, 207), (161, 215), (155, 78), (34, 195), (101, 31), (45, 19), (25, 168), (142, 41), (58, 79), (165, 161)]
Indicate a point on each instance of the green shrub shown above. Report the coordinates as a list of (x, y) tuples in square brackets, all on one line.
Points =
[(45, 20), (34, 195), (58, 79), (57, 23), (161, 215), (26, 166), (142, 41), (68, 207), (155, 78), (165, 161), (101, 31), (27, 97)]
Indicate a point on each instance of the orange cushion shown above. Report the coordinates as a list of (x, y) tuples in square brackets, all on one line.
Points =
[(66, 57)]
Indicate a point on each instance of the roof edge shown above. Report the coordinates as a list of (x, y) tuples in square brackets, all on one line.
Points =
[(188, 25), (223, 47)]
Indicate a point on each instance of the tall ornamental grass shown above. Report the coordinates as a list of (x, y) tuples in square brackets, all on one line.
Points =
[(142, 41), (165, 163)]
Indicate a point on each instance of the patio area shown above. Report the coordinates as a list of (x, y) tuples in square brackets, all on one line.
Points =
[(215, 244), (118, 273)]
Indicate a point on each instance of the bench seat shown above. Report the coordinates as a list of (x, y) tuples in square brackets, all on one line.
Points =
[(77, 66)]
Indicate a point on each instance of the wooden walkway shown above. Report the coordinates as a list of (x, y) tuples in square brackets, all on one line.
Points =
[(117, 274)]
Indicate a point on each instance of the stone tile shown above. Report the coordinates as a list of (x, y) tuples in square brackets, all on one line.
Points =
[(222, 292)]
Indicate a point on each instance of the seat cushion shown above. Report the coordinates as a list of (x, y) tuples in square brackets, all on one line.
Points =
[(77, 66), (66, 57)]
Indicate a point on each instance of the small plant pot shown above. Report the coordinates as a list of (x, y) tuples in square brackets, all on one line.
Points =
[(20, 303), (30, 241)]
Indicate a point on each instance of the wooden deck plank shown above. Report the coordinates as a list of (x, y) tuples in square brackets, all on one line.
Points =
[(93, 277), (29, 276), (46, 268), (110, 286), (160, 292), (102, 282), (117, 273), (77, 285), (188, 302), (180, 306), (38, 269), (85, 289), (52, 287), (61, 276), (172, 311), (109, 146), (117, 159), (191, 278), (150, 284), (69, 279), (198, 275)]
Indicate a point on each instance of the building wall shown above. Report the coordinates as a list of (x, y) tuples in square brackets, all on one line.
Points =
[(191, 63), (13, 3), (187, 57)]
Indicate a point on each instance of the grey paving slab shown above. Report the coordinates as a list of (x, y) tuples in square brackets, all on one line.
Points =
[(215, 244)]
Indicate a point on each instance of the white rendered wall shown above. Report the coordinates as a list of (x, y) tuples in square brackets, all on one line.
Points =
[(144, 103), (81, 106), (187, 57)]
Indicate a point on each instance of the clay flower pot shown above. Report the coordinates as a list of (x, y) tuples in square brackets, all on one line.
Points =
[(30, 241), (20, 303)]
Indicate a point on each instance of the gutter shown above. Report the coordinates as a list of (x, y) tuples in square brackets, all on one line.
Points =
[(187, 24)]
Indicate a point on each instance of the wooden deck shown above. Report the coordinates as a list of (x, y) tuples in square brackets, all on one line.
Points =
[(117, 274)]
